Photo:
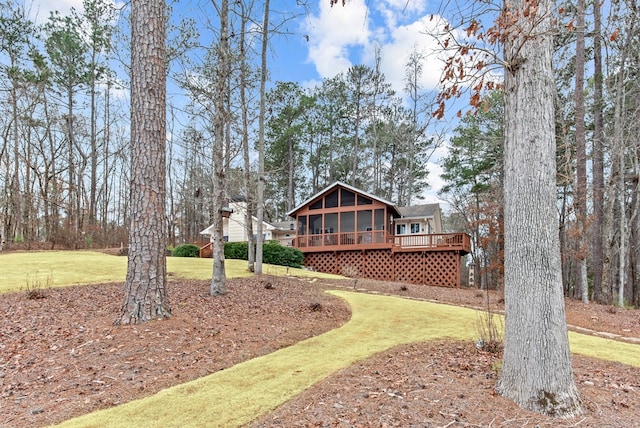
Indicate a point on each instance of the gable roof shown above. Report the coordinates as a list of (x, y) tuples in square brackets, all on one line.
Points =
[(345, 186), (415, 211)]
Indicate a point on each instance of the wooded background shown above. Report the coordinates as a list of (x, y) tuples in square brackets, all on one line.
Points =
[(65, 140)]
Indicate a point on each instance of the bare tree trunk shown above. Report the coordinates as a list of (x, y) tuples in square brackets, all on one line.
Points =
[(618, 156), (581, 156), (291, 189), (171, 220), (16, 190), (634, 235), (218, 280), (145, 287), (71, 221), (536, 371), (597, 244), (248, 190), (93, 185), (105, 189), (261, 178)]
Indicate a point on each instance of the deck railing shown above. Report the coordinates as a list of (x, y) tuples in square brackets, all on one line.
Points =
[(438, 240), (381, 239)]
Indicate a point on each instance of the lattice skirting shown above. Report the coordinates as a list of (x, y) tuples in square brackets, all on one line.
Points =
[(322, 262), (441, 268)]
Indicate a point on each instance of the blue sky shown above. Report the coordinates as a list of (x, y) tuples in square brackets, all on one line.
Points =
[(328, 40)]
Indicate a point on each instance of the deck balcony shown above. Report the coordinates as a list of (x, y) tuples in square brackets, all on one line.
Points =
[(379, 239)]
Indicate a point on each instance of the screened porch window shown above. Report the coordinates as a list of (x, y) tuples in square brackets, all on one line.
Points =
[(302, 225), (315, 224), (364, 201), (347, 198), (317, 205), (331, 200)]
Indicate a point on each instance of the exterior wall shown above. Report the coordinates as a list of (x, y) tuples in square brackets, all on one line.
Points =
[(234, 226), (437, 218), (285, 238), (429, 225), (439, 268), (423, 226), (234, 229)]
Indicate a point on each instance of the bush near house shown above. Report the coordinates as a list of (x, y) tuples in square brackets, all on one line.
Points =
[(272, 253), (186, 250), (236, 250)]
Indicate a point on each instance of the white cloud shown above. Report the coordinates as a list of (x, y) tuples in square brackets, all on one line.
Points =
[(434, 166), (334, 32), (405, 39), (394, 11), (435, 184), (41, 9), (341, 36)]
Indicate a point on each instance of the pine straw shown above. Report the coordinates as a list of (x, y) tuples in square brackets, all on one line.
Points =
[(249, 390)]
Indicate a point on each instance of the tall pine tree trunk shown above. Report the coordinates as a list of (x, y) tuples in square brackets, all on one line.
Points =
[(581, 156), (145, 287), (536, 372), (597, 231)]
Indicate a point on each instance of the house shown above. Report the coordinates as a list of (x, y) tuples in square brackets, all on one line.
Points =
[(418, 219), (345, 230), (234, 230)]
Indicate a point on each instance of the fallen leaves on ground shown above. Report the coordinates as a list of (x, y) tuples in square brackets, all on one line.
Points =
[(61, 356)]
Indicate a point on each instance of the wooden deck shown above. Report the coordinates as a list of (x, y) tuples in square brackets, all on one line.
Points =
[(371, 240), (206, 251)]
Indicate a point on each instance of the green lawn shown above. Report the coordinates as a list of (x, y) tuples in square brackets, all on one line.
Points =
[(64, 268), (235, 396)]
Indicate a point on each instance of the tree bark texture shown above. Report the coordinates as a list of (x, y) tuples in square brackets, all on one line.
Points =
[(536, 372), (248, 219), (597, 231), (145, 287), (261, 118), (581, 156), (220, 119)]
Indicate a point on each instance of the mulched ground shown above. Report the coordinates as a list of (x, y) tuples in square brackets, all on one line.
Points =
[(61, 356)]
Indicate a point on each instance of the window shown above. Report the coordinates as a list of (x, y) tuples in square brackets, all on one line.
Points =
[(347, 198), (331, 200), (364, 201), (317, 205), (378, 219), (415, 227), (364, 220), (302, 225), (315, 224), (330, 222), (401, 229), (347, 221)]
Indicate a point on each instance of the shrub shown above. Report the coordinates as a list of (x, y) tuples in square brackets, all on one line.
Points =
[(272, 253), (186, 250), (236, 250), (275, 254)]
